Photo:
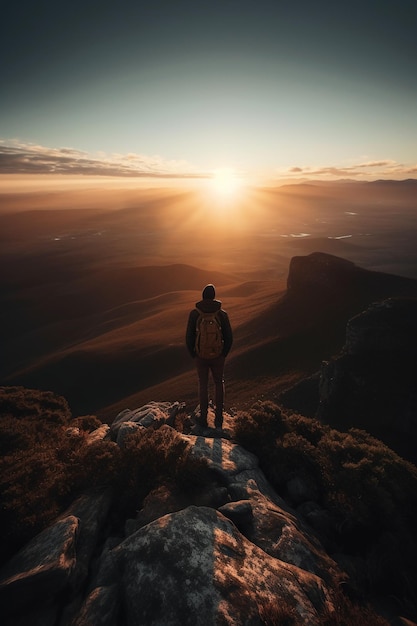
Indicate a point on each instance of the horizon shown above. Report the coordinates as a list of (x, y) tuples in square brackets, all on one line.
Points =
[(371, 223), (272, 94), (224, 187)]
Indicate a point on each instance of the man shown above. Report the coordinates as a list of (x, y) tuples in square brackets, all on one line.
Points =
[(206, 364)]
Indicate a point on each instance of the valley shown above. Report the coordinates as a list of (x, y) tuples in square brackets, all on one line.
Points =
[(94, 301)]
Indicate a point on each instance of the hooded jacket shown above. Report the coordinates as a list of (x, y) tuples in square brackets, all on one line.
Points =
[(208, 306)]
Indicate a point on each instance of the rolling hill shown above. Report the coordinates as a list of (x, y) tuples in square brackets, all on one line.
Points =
[(113, 338)]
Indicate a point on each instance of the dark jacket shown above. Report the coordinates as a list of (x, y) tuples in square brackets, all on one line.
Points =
[(209, 306)]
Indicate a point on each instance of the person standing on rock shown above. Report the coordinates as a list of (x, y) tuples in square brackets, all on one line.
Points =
[(209, 338)]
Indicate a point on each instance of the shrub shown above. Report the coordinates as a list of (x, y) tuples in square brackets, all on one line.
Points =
[(347, 613), (278, 613), (42, 468), (258, 430), (368, 490), (45, 465), (87, 423), (156, 457), (284, 445), (32, 403)]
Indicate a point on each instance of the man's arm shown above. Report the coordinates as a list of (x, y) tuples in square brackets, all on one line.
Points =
[(227, 333), (190, 333)]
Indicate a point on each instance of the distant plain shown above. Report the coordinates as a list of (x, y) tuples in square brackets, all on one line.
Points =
[(96, 285)]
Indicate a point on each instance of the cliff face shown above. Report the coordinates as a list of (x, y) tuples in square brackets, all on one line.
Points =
[(321, 272), (372, 382), (383, 328)]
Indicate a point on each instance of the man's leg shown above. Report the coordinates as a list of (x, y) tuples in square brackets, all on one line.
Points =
[(203, 373), (217, 371)]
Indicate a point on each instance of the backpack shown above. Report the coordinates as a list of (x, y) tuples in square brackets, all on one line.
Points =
[(209, 338)]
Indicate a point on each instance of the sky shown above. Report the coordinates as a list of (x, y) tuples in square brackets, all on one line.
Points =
[(277, 89)]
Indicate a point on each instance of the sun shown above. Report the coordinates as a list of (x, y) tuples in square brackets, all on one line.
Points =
[(225, 181), (225, 201), (224, 197)]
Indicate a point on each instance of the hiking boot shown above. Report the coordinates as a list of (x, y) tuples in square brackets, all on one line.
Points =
[(200, 431), (201, 421)]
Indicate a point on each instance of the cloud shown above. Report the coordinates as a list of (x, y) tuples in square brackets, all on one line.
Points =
[(383, 168), (386, 163), (21, 158)]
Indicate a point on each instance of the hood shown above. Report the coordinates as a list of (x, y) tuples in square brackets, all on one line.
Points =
[(209, 306)]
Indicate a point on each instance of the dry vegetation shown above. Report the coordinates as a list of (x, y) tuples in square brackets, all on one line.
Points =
[(368, 494), (47, 461)]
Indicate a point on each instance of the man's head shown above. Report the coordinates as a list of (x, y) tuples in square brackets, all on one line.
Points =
[(209, 292)]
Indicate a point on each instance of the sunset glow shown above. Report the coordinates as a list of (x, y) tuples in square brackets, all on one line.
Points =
[(225, 182), (154, 92)]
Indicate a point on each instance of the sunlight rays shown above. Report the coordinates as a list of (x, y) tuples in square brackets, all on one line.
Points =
[(225, 182), (224, 198)]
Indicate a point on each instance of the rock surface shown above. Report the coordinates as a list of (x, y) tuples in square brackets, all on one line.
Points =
[(234, 553), (42, 569), (211, 574)]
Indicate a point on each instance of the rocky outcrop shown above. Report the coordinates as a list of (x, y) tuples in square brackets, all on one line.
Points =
[(321, 271), (234, 553), (211, 574), (43, 569), (372, 383), (153, 415), (384, 328)]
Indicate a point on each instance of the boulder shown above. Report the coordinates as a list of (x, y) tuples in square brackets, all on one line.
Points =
[(100, 608), (42, 569), (125, 429), (263, 516), (194, 567), (282, 534), (153, 414), (91, 510)]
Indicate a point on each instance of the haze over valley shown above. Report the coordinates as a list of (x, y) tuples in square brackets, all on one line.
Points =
[(97, 283)]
